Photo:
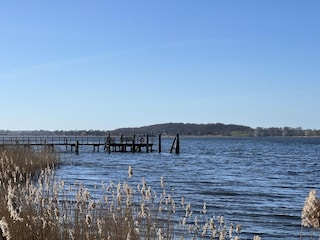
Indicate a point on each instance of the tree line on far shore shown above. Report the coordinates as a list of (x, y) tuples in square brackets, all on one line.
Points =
[(184, 129)]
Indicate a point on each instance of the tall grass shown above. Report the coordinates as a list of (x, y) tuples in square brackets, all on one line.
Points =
[(33, 205), (23, 161)]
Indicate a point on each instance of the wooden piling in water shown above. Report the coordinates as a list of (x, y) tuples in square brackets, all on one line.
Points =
[(77, 147), (109, 143), (96, 146), (65, 141), (178, 144), (134, 143), (147, 146), (175, 144)]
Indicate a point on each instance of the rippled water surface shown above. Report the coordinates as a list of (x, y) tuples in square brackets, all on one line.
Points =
[(260, 183)]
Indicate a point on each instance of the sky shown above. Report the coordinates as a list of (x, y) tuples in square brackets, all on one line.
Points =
[(80, 65)]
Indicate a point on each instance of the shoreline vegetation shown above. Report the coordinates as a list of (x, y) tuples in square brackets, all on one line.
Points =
[(184, 129), (34, 205)]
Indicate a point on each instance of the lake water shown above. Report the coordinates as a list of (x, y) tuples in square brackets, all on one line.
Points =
[(260, 183)]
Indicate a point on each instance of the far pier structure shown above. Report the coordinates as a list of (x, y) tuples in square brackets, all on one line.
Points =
[(135, 143)]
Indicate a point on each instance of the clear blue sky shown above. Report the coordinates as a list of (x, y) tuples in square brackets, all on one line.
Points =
[(111, 64)]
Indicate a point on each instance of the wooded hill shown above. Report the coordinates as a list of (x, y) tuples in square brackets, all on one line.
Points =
[(217, 129)]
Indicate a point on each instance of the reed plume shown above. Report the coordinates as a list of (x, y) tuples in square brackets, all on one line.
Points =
[(311, 211), (5, 233)]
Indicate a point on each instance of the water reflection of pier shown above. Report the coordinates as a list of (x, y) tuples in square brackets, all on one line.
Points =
[(123, 143)]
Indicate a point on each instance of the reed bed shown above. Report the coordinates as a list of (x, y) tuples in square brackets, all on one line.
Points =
[(34, 205), (23, 161)]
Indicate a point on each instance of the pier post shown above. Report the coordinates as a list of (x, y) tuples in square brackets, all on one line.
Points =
[(178, 144), (66, 143), (109, 143), (133, 143), (96, 146), (122, 146), (147, 143), (159, 143), (77, 147), (173, 144)]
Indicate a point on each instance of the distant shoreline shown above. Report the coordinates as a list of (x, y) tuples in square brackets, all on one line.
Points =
[(184, 129)]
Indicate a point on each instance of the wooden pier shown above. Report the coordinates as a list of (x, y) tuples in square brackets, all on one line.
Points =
[(132, 143)]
